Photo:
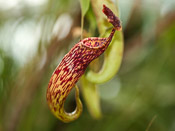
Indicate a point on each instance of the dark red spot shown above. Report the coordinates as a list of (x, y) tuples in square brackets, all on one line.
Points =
[(96, 43), (67, 86), (54, 108), (63, 81), (56, 94), (70, 79), (63, 93), (57, 71)]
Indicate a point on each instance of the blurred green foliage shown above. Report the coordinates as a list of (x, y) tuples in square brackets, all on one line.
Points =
[(141, 96)]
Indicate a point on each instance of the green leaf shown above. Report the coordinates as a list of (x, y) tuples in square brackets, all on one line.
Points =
[(84, 6)]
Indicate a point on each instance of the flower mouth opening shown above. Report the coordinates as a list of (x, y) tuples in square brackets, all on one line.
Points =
[(93, 42)]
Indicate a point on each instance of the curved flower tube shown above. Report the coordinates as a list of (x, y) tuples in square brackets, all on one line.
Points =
[(73, 66)]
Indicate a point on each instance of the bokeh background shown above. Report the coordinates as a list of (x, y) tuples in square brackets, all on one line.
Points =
[(36, 34)]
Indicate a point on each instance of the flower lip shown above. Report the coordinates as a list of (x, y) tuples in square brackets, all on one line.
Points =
[(112, 18)]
